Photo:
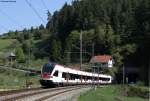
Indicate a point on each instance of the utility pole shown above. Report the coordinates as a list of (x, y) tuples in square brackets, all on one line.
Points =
[(148, 71), (67, 58), (81, 51), (93, 55), (123, 72), (92, 49), (93, 66), (28, 63)]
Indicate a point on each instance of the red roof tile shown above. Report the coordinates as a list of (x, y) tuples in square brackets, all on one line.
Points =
[(100, 58)]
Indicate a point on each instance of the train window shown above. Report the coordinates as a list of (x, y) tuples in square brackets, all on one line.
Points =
[(68, 77), (85, 78), (107, 79), (56, 73), (76, 76), (79, 76), (89, 78), (101, 78), (64, 75), (104, 79), (72, 76), (48, 68)]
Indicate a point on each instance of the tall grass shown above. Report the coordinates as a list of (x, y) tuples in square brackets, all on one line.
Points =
[(10, 79)]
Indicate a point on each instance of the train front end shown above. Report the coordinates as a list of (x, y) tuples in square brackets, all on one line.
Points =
[(46, 75)]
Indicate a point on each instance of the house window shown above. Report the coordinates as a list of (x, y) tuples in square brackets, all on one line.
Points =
[(104, 64)]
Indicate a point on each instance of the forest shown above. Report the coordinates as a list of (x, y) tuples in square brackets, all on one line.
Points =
[(120, 28)]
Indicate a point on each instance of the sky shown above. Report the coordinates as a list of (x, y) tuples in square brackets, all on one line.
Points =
[(18, 15)]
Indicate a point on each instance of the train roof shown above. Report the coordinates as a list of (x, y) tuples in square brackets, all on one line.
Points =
[(74, 71)]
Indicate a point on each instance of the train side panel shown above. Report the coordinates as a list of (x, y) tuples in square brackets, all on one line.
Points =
[(59, 75)]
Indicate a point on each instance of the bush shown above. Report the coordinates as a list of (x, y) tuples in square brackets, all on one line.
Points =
[(138, 91), (140, 83)]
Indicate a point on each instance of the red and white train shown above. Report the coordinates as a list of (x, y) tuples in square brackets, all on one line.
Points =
[(54, 74)]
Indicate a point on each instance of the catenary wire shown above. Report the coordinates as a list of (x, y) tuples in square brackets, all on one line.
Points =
[(44, 4), (35, 11), (11, 19)]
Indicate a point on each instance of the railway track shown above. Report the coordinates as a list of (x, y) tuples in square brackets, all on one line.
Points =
[(6, 93), (36, 94), (57, 93)]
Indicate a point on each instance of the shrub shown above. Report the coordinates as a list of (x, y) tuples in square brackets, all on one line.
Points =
[(140, 83), (138, 91)]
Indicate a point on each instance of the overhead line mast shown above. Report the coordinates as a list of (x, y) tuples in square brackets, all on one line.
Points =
[(81, 51)]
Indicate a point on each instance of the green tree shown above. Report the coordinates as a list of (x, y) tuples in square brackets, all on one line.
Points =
[(71, 44), (41, 26), (55, 53), (20, 55), (26, 34)]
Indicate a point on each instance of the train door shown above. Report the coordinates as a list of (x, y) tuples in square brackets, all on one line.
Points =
[(55, 77), (81, 78), (68, 78), (64, 77), (60, 77)]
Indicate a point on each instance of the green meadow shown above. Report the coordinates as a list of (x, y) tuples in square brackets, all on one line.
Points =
[(108, 93)]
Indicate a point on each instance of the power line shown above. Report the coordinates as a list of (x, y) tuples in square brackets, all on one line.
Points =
[(35, 11), (6, 1), (44, 5), (11, 19)]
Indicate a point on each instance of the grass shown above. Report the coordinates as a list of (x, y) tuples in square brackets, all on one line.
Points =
[(109, 93), (34, 64), (5, 43), (11, 79), (37, 64)]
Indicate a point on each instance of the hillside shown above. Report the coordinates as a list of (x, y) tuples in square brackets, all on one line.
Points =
[(9, 45), (119, 28), (6, 44)]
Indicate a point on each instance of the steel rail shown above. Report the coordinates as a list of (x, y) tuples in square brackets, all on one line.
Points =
[(27, 93), (57, 93), (9, 92)]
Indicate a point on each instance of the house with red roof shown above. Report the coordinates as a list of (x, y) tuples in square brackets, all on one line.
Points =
[(102, 61)]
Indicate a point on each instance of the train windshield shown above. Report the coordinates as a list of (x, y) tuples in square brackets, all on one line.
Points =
[(48, 68)]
